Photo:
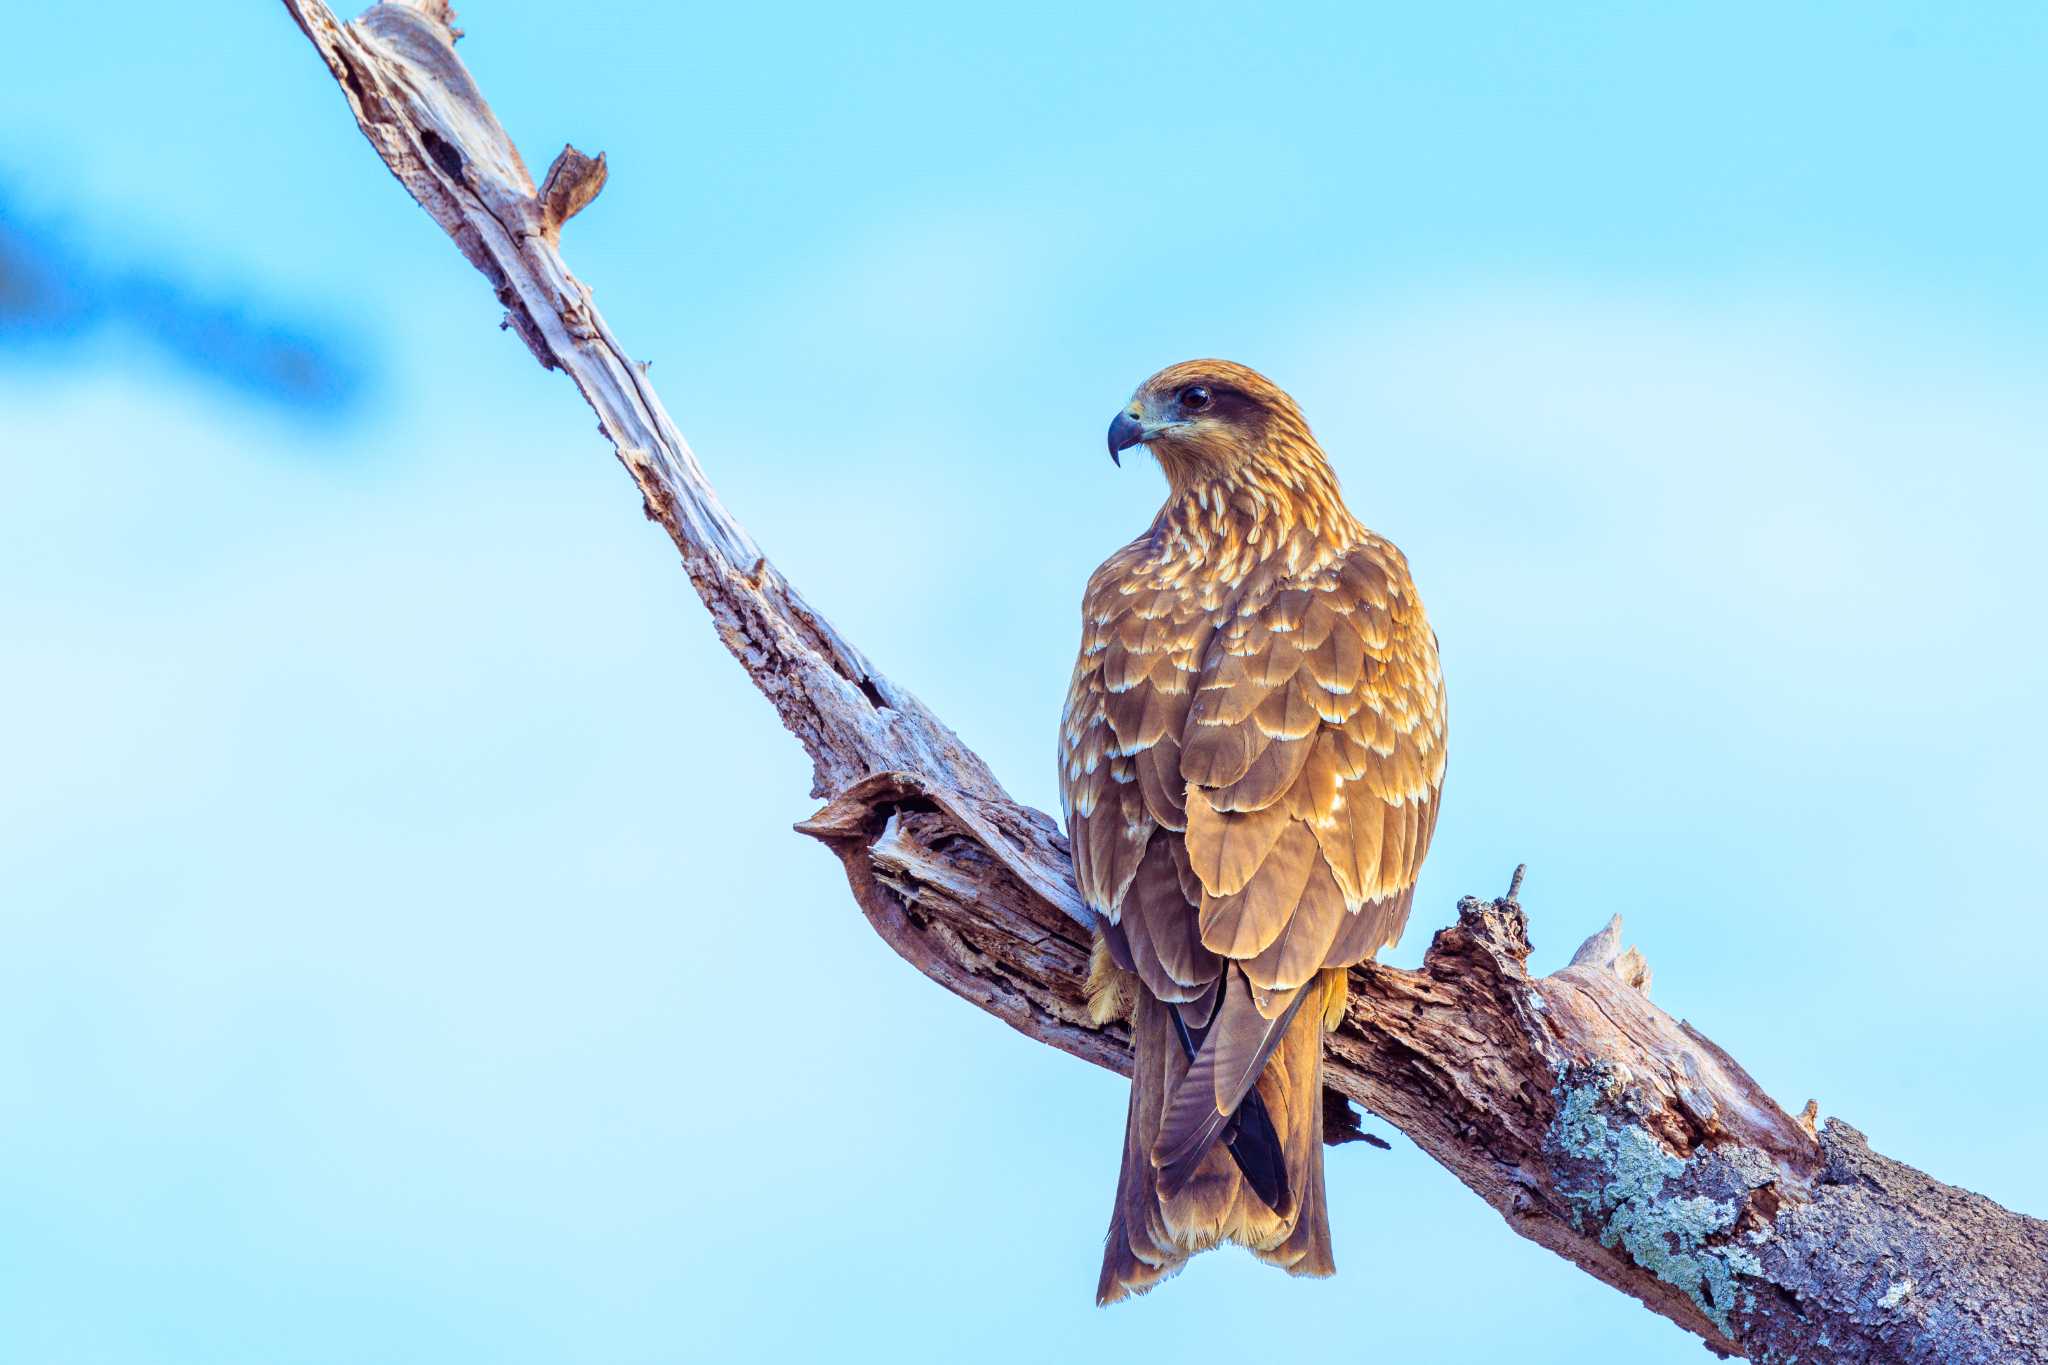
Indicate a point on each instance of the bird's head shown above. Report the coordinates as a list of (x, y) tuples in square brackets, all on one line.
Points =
[(1209, 419)]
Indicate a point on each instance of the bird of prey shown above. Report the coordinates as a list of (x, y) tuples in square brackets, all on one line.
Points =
[(1250, 762)]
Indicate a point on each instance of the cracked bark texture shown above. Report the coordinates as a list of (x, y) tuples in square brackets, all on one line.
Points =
[(1594, 1123)]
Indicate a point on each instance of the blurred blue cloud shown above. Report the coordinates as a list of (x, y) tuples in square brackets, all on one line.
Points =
[(59, 293)]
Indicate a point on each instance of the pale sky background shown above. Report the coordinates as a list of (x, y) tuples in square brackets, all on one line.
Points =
[(404, 954)]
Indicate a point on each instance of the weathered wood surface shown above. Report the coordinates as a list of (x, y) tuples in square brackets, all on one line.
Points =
[(1596, 1124)]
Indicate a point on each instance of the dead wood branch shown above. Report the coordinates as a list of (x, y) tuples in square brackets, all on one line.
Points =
[(1596, 1124)]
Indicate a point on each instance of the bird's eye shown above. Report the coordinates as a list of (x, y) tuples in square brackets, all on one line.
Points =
[(1194, 399)]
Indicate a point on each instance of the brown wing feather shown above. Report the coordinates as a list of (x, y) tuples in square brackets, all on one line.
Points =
[(1167, 953), (1230, 845), (1120, 751), (1366, 930), (1124, 700), (1160, 782), (1298, 954), (1243, 923), (1313, 755)]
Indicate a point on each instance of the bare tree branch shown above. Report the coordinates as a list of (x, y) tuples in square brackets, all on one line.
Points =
[(1596, 1124)]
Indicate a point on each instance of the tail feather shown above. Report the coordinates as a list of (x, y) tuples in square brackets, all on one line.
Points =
[(1229, 1192), (1249, 1136), (1254, 1144), (1222, 1072)]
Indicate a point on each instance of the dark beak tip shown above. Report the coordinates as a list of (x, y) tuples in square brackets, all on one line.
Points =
[(1125, 432)]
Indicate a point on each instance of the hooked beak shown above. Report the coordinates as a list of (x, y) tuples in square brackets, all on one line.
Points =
[(1125, 432)]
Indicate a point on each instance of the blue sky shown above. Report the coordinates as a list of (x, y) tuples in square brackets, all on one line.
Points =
[(399, 911)]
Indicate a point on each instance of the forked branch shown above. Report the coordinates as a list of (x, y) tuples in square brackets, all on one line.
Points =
[(1596, 1124)]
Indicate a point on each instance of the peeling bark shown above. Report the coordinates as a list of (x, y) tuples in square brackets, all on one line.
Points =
[(1597, 1125)]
